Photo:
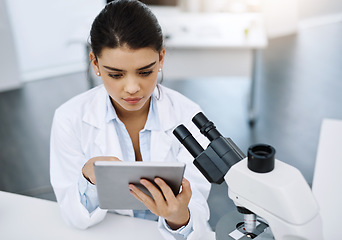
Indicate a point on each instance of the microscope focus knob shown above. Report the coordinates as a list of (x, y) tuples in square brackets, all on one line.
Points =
[(261, 158)]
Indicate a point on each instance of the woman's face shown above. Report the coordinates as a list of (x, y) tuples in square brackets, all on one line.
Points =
[(129, 76)]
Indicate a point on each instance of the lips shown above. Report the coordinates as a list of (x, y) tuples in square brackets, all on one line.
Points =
[(132, 100)]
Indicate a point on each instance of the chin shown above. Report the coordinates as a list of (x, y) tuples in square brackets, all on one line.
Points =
[(133, 108)]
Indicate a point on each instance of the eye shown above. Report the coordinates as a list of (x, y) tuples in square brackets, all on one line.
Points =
[(145, 73), (115, 76)]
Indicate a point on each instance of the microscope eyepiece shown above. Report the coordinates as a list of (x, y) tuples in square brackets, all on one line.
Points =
[(185, 137), (261, 158), (206, 127)]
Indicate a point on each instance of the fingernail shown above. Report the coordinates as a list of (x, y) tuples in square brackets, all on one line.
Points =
[(157, 180)]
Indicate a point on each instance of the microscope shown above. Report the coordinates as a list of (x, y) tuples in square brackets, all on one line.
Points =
[(274, 198)]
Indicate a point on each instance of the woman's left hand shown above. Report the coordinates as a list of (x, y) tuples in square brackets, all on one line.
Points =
[(173, 208)]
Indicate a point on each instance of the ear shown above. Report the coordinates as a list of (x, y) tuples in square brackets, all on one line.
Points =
[(94, 63), (161, 58)]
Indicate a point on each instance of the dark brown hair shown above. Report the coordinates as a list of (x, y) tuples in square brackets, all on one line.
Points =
[(125, 23)]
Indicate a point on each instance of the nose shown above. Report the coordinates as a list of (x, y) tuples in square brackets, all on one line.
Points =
[(132, 86)]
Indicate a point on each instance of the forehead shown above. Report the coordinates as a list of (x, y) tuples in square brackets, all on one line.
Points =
[(125, 58)]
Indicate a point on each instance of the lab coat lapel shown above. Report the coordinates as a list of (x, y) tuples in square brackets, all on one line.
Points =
[(108, 142), (161, 141), (105, 136)]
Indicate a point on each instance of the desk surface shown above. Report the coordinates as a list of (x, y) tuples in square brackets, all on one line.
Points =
[(24, 217)]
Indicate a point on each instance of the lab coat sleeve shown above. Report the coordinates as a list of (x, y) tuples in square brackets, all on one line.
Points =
[(66, 162), (88, 194), (179, 234)]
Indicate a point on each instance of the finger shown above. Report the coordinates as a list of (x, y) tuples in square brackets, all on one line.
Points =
[(143, 198), (166, 190), (131, 188), (105, 158), (136, 195), (88, 168), (155, 192), (186, 192), (113, 159), (92, 179), (140, 195)]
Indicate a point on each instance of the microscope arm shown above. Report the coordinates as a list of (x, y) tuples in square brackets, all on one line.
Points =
[(282, 197)]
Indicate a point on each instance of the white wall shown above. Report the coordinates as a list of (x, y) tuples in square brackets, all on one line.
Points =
[(318, 8), (281, 17), (286, 17), (50, 35), (317, 12), (9, 78)]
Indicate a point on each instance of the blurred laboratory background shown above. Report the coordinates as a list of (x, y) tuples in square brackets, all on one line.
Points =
[(263, 71)]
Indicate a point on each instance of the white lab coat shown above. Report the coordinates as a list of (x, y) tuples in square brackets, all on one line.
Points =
[(80, 132)]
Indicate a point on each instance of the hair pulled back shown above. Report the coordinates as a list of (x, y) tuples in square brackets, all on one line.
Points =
[(125, 23)]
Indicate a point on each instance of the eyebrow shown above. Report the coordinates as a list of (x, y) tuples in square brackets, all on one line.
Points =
[(120, 70)]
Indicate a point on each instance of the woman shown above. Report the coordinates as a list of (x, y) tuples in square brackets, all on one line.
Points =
[(128, 118)]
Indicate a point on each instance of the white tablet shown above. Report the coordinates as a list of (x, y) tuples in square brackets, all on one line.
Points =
[(112, 179)]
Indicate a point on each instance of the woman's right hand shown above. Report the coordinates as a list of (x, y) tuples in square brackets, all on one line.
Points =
[(88, 168)]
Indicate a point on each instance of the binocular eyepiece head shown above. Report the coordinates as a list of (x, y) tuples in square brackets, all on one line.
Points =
[(222, 153), (206, 127)]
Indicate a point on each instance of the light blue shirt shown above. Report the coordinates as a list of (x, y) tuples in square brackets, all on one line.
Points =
[(126, 144), (88, 192)]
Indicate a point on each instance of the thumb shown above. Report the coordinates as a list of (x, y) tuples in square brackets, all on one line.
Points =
[(186, 192)]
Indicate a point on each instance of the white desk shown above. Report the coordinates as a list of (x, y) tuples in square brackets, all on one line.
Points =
[(24, 217)]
